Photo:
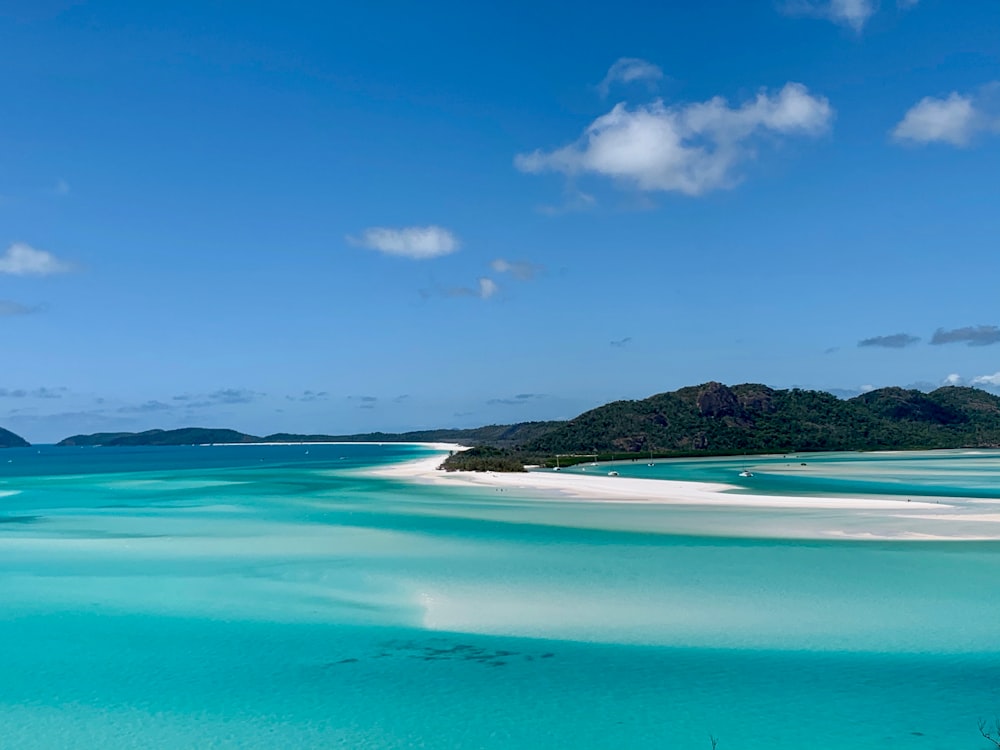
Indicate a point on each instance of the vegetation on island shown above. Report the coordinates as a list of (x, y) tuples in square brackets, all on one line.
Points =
[(501, 436), (183, 436), (494, 435), (707, 419), (715, 419), (9, 440), (485, 458)]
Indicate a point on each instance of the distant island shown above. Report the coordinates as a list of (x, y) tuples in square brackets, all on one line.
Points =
[(9, 440), (701, 420), (503, 436)]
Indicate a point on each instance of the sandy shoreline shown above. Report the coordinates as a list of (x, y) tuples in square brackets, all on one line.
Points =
[(860, 518), (601, 487)]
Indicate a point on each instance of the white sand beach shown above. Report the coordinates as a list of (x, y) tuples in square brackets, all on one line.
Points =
[(599, 486), (871, 518)]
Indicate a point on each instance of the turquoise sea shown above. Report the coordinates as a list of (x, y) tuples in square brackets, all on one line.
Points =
[(277, 597)]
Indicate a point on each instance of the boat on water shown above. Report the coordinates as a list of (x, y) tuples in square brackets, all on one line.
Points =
[(612, 473), (745, 473)]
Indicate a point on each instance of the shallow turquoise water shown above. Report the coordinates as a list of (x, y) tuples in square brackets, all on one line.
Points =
[(263, 597), (963, 473)]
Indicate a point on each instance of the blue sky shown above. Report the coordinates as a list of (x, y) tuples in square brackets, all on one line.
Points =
[(315, 217)]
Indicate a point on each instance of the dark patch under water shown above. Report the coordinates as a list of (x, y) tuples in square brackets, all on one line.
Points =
[(439, 649)]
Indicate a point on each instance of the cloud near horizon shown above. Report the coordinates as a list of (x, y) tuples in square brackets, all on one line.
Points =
[(971, 335), (21, 259), (629, 70), (893, 341), (689, 148), (852, 13), (43, 392), (416, 243), (519, 400), (956, 119), (309, 396), (223, 396)]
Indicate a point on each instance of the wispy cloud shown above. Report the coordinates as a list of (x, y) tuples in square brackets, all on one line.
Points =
[(309, 396), (46, 393), (574, 200), (10, 308), (484, 289), (61, 187), (620, 343), (521, 270), (843, 393), (21, 259), (367, 402), (691, 149), (234, 396), (629, 70), (893, 341), (955, 119), (852, 13), (971, 335), (145, 408), (223, 396), (992, 380), (519, 400), (418, 243)]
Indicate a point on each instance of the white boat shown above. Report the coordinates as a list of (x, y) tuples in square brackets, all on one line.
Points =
[(746, 473), (612, 473)]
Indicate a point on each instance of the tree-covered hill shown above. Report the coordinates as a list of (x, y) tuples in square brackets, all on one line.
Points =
[(714, 418), (503, 436), (184, 436), (9, 440), (497, 435)]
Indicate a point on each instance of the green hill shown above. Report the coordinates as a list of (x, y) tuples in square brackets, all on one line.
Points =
[(714, 418), (500, 435), (184, 436), (9, 440), (504, 436)]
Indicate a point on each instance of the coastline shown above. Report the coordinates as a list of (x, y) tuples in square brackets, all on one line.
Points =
[(874, 518), (624, 489)]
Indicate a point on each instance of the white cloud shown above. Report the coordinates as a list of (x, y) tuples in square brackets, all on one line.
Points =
[(24, 260), (953, 379), (484, 289), (691, 149), (853, 13), (518, 269), (418, 243), (487, 287), (955, 119), (993, 379), (629, 70)]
